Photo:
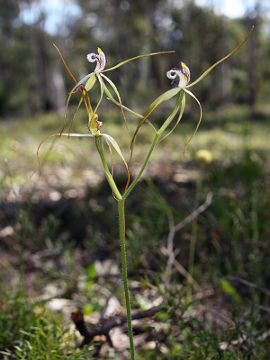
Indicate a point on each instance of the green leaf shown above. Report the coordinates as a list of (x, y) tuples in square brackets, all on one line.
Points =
[(212, 67), (138, 57)]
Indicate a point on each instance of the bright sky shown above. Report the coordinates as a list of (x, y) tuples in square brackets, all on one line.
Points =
[(59, 10), (58, 13), (231, 8)]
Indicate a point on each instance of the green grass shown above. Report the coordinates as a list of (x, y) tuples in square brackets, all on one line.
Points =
[(29, 332)]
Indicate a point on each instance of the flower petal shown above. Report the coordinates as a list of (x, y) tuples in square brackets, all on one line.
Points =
[(183, 102), (200, 117), (90, 82), (138, 57), (163, 97), (117, 95), (212, 67), (116, 147)]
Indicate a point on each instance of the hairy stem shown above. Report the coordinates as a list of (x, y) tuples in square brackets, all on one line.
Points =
[(122, 233)]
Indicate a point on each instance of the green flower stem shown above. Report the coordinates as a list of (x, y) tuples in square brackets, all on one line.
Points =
[(137, 178), (100, 148), (122, 233), (121, 210)]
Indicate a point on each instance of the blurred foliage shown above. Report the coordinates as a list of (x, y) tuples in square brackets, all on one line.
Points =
[(33, 79)]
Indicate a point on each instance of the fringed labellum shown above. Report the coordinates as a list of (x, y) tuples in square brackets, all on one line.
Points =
[(99, 59), (180, 75)]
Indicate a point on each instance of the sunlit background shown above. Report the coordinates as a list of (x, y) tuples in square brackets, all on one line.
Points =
[(200, 31)]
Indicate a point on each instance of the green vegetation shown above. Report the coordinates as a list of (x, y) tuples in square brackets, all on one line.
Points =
[(30, 332)]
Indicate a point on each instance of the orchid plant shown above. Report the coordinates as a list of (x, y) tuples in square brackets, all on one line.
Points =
[(180, 77)]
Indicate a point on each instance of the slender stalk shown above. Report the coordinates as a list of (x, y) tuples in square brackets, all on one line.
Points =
[(122, 235), (121, 212)]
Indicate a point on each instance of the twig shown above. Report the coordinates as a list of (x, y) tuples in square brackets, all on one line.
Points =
[(190, 218), (180, 268), (169, 251), (203, 294), (264, 308), (106, 325), (78, 319), (248, 284)]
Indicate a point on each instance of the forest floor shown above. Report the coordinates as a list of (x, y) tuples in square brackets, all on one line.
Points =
[(197, 235)]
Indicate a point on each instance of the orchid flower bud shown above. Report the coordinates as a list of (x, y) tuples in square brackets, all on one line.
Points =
[(99, 59), (180, 76)]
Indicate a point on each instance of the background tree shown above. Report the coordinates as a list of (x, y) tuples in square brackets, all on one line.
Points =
[(31, 70)]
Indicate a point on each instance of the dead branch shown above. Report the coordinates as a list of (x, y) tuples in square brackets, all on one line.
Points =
[(180, 268), (191, 217), (170, 252), (106, 325), (248, 284)]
